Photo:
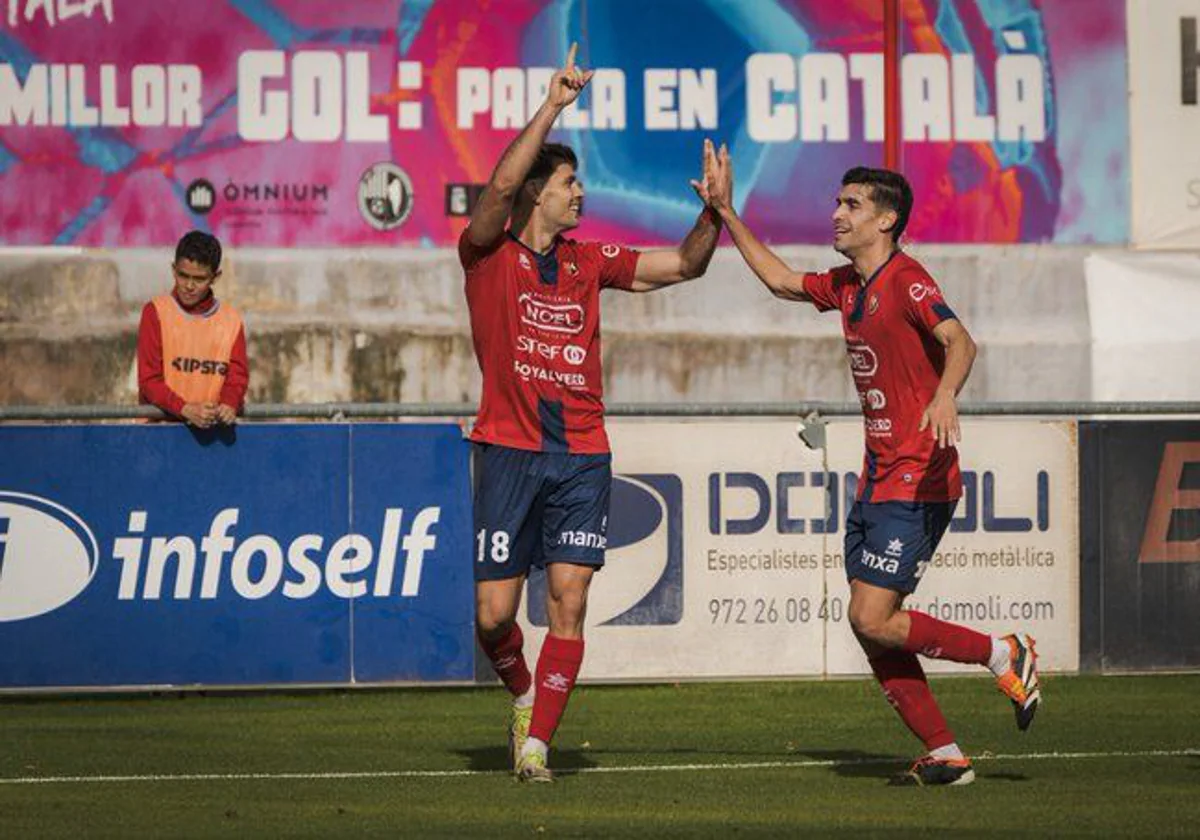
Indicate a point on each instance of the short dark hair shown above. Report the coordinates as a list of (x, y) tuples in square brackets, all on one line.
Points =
[(549, 158), (201, 248), (890, 190)]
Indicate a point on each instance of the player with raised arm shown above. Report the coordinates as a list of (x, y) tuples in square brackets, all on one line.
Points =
[(542, 466), (909, 356)]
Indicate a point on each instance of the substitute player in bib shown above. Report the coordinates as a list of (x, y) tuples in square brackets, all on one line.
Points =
[(909, 356), (541, 463), (191, 349)]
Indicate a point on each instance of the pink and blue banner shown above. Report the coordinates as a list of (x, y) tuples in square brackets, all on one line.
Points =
[(291, 123)]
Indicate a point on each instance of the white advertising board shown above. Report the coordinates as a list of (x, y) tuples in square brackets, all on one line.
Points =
[(725, 552), (1164, 111), (1143, 311)]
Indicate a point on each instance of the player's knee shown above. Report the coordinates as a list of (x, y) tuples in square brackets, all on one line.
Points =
[(867, 623), (492, 617), (490, 626), (567, 608)]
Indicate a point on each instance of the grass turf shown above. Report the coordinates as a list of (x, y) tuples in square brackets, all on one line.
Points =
[(837, 742)]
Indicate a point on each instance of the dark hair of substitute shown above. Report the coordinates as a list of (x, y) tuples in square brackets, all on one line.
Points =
[(201, 248), (889, 190)]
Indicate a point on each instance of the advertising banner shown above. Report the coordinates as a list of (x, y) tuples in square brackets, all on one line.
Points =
[(1164, 110), (725, 550), (1140, 544), (150, 555), (1150, 357), (291, 123)]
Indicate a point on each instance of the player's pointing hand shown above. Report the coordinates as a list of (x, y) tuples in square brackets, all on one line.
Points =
[(567, 83)]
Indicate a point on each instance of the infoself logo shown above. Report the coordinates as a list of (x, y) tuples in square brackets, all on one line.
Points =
[(48, 555)]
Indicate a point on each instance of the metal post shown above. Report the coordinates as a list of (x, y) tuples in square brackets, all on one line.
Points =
[(892, 123)]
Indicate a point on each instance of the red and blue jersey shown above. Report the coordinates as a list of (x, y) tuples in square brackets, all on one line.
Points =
[(535, 321), (897, 364)]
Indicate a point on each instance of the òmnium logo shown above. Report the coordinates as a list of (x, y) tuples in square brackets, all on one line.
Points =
[(48, 556), (385, 196), (200, 196), (250, 204)]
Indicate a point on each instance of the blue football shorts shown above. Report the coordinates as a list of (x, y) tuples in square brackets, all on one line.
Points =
[(534, 508), (889, 544)]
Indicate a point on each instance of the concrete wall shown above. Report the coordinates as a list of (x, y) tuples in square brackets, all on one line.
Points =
[(391, 326)]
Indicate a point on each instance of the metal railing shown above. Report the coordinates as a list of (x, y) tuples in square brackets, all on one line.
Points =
[(339, 411)]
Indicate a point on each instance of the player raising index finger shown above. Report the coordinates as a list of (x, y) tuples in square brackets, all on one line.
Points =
[(542, 465)]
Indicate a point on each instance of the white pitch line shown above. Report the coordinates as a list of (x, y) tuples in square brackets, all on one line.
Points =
[(636, 768)]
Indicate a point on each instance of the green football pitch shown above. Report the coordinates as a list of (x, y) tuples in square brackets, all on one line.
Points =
[(1106, 755)]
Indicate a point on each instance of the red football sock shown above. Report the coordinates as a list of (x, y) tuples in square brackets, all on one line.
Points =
[(904, 685), (508, 661), (557, 668), (937, 639)]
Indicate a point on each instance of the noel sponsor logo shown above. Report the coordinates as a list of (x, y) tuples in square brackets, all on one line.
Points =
[(863, 361), (566, 318)]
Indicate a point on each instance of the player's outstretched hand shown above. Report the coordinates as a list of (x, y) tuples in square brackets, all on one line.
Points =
[(941, 418), (569, 82), (718, 177), (707, 165)]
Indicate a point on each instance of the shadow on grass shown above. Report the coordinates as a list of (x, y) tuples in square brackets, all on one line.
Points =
[(858, 764), (845, 763), (562, 762), (1000, 777), (695, 753)]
